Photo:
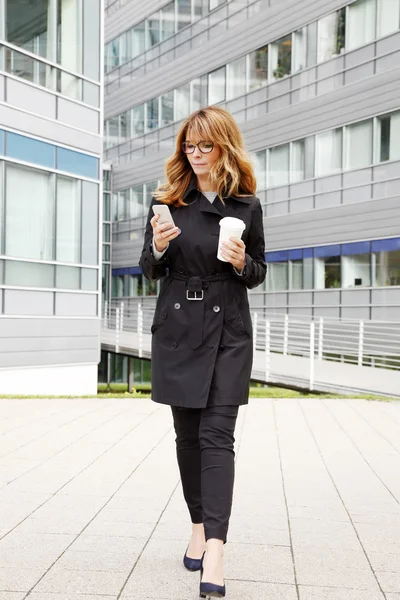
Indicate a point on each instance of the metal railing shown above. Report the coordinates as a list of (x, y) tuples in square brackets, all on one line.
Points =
[(374, 344)]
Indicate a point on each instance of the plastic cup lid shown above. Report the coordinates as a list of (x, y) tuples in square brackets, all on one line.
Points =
[(232, 223)]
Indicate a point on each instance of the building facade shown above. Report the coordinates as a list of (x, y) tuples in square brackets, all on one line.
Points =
[(315, 87), (51, 127)]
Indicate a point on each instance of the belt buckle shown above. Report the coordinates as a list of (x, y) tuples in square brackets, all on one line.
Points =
[(196, 296)]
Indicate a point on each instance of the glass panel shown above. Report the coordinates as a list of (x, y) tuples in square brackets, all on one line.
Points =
[(167, 109), (359, 145), (69, 45), (113, 131), (296, 274), (29, 69), (152, 114), (138, 42), (331, 35), (387, 268), (260, 168), (298, 166), (184, 13), (150, 189), (138, 201), (77, 163), (2, 138), (356, 270), (91, 93), (89, 279), (281, 57), (277, 276), (278, 166), (68, 220), (29, 213), (388, 16), (216, 86), (328, 152), (125, 126), (361, 23), (300, 49), (198, 94), (138, 120), (115, 207), (67, 278), (389, 135), (312, 36), (1, 208), (106, 207), (30, 150), (28, 26), (105, 283), (200, 8), (236, 78), (327, 272), (91, 37), (308, 273), (258, 68), (90, 222), (29, 274), (153, 30), (106, 232), (106, 252), (182, 102), (168, 21)]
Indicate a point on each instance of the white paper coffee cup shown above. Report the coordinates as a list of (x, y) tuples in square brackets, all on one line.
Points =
[(230, 227)]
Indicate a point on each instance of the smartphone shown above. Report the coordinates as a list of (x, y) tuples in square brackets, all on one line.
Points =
[(164, 212)]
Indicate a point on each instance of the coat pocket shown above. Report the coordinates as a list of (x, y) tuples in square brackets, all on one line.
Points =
[(237, 318), (161, 312)]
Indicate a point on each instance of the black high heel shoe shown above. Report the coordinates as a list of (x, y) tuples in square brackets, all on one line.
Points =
[(210, 589), (191, 564)]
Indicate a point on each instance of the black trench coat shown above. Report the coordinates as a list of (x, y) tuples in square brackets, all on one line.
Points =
[(202, 350)]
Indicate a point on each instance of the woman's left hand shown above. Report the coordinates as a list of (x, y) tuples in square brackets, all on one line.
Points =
[(234, 252)]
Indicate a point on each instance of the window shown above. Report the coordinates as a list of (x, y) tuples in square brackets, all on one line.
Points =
[(236, 78), (277, 272), (184, 13), (106, 232), (359, 145), (138, 41), (295, 269), (138, 201), (182, 102), (30, 150), (29, 274), (389, 137), (312, 41), (258, 68), (278, 165), (328, 152), (361, 19), (260, 169), (167, 109), (216, 86), (356, 264), (168, 21), (281, 57), (198, 93), (67, 278), (78, 163), (125, 126), (388, 16), (200, 8), (29, 219), (137, 119), (386, 262), (90, 215), (27, 26), (68, 237), (152, 114), (302, 166), (300, 49), (153, 30), (327, 267), (113, 131), (331, 35)]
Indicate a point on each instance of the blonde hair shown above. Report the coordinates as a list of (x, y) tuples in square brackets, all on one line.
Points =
[(231, 175)]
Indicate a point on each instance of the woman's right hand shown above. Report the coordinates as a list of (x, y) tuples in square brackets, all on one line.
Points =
[(163, 234)]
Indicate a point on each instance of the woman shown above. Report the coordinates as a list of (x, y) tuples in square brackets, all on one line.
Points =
[(202, 334)]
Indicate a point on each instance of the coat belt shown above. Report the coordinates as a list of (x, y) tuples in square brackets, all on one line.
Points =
[(195, 286)]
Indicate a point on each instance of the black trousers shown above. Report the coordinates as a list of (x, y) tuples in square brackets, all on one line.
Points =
[(204, 448)]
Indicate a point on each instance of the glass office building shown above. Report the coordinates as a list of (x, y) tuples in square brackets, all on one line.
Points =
[(316, 91), (51, 124)]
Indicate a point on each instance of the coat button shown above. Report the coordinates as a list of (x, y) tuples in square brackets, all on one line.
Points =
[(221, 348), (177, 306), (174, 345), (216, 309), (164, 315)]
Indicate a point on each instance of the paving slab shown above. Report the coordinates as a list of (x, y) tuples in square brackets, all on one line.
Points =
[(92, 509)]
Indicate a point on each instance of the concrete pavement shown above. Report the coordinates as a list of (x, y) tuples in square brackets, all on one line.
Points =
[(91, 506)]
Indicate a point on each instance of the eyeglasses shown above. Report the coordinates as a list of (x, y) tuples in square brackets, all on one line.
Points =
[(204, 147)]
